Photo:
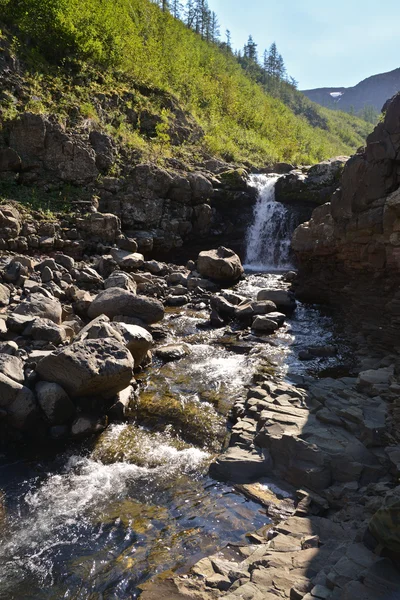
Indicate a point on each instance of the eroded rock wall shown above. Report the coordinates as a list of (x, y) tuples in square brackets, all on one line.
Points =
[(349, 252)]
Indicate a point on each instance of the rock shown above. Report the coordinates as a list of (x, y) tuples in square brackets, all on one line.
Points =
[(122, 280), (172, 352), (89, 368), (123, 404), (127, 260), (54, 402), (19, 404), (239, 465), (284, 301), (221, 265), (12, 367), (264, 324), (47, 275), (4, 295), (46, 330), (263, 307), (116, 301), (137, 339), (65, 261), (86, 425), (38, 305), (10, 222)]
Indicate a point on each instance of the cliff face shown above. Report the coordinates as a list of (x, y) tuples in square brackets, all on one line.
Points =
[(349, 252)]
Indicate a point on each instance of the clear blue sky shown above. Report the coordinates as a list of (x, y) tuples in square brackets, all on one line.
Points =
[(324, 43)]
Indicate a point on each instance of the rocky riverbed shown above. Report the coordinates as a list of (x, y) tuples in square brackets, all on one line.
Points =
[(130, 369)]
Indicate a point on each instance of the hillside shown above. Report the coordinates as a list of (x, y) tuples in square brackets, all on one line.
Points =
[(155, 86), (369, 93)]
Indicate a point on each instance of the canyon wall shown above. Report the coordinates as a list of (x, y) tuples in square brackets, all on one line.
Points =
[(348, 254)]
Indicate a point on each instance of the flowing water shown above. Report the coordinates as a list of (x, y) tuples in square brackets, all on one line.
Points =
[(268, 238), (96, 520)]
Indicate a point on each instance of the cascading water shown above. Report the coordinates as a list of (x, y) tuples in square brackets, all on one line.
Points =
[(268, 238)]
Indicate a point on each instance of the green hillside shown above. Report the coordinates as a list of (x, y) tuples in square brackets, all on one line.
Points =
[(77, 52)]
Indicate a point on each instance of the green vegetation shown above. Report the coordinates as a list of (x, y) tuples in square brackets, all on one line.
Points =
[(119, 63)]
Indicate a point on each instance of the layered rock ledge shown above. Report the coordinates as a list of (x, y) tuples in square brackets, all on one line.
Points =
[(349, 252)]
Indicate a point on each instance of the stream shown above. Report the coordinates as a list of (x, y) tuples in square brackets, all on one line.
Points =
[(95, 520)]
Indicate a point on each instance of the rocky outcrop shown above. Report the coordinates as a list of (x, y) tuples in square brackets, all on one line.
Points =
[(311, 185), (348, 253)]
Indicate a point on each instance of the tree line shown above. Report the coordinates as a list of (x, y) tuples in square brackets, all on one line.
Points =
[(270, 72)]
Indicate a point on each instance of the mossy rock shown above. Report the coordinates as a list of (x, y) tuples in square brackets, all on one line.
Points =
[(234, 179), (195, 422)]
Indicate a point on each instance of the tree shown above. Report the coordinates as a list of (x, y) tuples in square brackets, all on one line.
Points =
[(190, 14), (176, 8), (214, 27), (228, 39), (250, 49)]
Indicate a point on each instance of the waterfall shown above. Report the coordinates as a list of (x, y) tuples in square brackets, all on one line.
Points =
[(268, 238)]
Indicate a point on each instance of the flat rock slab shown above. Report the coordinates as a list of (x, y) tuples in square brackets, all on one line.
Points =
[(239, 465)]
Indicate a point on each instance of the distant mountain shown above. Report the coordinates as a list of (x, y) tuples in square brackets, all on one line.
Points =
[(371, 93)]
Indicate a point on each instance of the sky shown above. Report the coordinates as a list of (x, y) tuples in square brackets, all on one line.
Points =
[(324, 43)]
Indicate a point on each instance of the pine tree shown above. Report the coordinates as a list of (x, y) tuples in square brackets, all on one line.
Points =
[(214, 27), (190, 14), (176, 8), (228, 39)]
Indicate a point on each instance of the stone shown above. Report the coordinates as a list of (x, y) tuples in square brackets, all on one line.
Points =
[(239, 466), (172, 352), (47, 275), (284, 301), (221, 265), (12, 367), (38, 305), (86, 425), (4, 295), (19, 403), (55, 403), (116, 301), (46, 330), (264, 324), (121, 280), (137, 339), (127, 260), (89, 368), (65, 261)]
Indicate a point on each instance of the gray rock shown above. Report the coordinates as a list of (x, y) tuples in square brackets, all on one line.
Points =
[(47, 275), (65, 261), (116, 301), (172, 352), (221, 265), (19, 403), (127, 260), (86, 425), (137, 339), (4, 295), (89, 368), (46, 330), (38, 305), (240, 466), (12, 367), (265, 324), (54, 402), (263, 307), (283, 300), (121, 280)]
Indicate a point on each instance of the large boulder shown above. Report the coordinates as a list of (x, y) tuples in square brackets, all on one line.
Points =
[(38, 305), (116, 301), (54, 402), (137, 339), (221, 265), (282, 299), (19, 403), (89, 368)]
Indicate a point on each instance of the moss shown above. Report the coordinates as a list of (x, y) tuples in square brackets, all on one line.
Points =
[(234, 179)]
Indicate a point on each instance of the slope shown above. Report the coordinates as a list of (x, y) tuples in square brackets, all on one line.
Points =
[(127, 67)]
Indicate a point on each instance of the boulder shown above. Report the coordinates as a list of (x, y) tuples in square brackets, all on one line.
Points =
[(12, 367), (116, 301), (86, 425), (38, 305), (121, 280), (89, 368), (10, 222), (19, 403), (221, 265), (127, 260), (264, 324), (4, 295), (172, 352), (45, 330), (54, 402), (283, 300), (137, 339)]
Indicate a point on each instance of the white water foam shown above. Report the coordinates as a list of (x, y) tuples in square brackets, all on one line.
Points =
[(269, 236)]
